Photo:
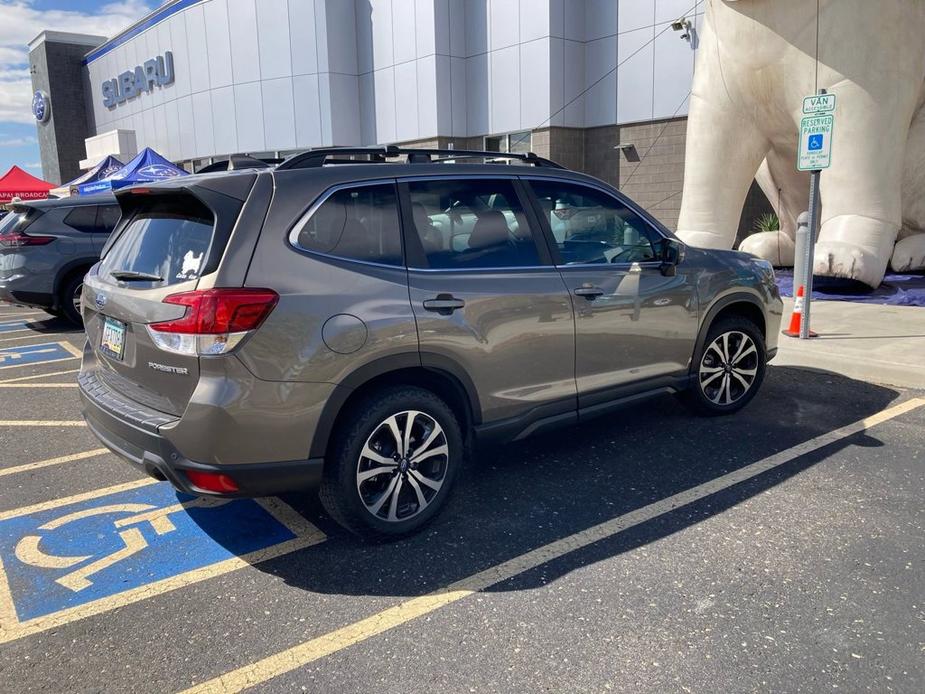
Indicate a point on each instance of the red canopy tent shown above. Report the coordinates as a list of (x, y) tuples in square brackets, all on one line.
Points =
[(17, 183)]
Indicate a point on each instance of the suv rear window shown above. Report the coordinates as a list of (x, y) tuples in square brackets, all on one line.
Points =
[(18, 220), (167, 239)]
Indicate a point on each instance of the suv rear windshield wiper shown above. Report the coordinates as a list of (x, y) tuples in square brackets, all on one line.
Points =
[(132, 276)]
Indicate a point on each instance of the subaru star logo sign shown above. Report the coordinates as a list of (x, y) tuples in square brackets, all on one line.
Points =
[(100, 300), (41, 106), (109, 170), (157, 171)]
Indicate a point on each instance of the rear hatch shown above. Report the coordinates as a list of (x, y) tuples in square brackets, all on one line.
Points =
[(168, 246), (14, 240)]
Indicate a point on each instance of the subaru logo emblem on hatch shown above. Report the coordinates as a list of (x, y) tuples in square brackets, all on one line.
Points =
[(100, 300)]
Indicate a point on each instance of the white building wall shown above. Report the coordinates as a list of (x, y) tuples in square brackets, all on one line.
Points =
[(271, 75)]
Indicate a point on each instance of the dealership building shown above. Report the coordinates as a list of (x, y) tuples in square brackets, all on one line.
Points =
[(597, 85)]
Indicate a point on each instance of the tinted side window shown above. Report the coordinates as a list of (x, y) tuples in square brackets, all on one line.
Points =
[(357, 223), (592, 227), (82, 218), (472, 223), (107, 218)]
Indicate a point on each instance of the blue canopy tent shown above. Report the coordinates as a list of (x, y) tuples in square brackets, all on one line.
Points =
[(104, 169), (147, 167)]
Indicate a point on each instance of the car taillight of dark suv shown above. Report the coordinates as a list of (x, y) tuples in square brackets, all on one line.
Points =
[(353, 325)]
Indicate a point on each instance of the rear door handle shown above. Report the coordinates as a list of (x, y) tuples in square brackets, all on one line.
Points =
[(590, 293), (444, 304)]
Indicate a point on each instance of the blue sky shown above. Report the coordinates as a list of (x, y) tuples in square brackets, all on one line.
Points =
[(20, 22)]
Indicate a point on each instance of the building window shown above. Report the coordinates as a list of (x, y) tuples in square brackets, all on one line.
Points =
[(518, 142)]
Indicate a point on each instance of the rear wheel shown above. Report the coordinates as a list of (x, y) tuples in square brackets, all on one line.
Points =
[(69, 299), (392, 463), (729, 369)]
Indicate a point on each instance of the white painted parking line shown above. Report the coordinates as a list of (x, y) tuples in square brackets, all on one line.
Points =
[(53, 461), (34, 376), (298, 656), (38, 385), (42, 423), (75, 498)]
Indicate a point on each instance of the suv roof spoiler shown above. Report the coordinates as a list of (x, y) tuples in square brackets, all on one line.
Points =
[(237, 162), (318, 157)]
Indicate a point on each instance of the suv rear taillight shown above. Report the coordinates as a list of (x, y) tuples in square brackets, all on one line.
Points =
[(18, 239), (216, 320)]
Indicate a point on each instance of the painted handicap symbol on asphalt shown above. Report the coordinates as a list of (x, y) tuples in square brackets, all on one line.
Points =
[(33, 354), (60, 559), (814, 143)]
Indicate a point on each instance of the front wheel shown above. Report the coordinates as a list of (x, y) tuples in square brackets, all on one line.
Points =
[(729, 369), (392, 463)]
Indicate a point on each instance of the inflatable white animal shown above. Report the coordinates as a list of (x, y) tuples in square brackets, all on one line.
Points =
[(757, 60)]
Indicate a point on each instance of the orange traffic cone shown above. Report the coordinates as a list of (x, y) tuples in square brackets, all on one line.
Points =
[(796, 318)]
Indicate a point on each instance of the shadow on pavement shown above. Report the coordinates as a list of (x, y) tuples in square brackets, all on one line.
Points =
[(512, 499), (52, 324)]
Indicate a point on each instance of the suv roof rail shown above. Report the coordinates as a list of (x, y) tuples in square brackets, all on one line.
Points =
[(318, 157)]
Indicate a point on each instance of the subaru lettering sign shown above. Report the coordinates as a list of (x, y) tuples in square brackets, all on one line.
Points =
[(157, 71)]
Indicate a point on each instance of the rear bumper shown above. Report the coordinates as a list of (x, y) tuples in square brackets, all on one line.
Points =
[(132, 432)]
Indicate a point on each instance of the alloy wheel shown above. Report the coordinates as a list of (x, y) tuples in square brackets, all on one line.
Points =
[(402, 466), (78, 290), (728, 368)]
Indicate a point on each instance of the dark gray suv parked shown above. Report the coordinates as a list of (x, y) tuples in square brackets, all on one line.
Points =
[(46, 247), (356, 325)]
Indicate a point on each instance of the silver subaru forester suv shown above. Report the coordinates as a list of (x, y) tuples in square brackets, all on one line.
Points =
[(353, 320)]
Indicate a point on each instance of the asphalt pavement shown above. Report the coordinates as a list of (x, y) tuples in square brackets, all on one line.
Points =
[(780, 549)]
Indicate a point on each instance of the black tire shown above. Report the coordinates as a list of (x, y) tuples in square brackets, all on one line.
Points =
[(367, 423), (712, 371), (66, 298)]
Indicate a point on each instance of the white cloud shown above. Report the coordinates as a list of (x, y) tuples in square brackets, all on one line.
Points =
[(22, 22), (17, 141)]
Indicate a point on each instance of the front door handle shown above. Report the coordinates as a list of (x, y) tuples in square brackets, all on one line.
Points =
[(589, 292), (444, 304)]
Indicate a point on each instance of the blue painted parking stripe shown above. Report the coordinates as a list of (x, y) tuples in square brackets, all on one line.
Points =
[(42, 353), (12, 326)]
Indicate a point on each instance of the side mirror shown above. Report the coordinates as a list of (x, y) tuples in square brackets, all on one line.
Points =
[(672, 254)]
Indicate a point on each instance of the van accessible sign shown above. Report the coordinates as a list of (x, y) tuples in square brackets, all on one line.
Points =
[(157, 71), (816, 128)]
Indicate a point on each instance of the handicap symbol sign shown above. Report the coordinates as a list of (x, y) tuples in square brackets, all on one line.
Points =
[(129, 545), (814, 143), (33, 354)]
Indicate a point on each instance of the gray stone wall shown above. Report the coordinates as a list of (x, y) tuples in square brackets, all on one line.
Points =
[(56, 69)]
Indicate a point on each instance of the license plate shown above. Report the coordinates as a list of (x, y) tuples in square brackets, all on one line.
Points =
[(113, 341)]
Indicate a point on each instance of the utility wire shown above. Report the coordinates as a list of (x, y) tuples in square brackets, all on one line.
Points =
[(616, 67)]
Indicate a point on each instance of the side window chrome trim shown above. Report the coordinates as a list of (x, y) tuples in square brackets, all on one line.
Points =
[(300, 223)]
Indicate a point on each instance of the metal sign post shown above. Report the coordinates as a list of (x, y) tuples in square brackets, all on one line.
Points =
[(815, 154), (809, 254)]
